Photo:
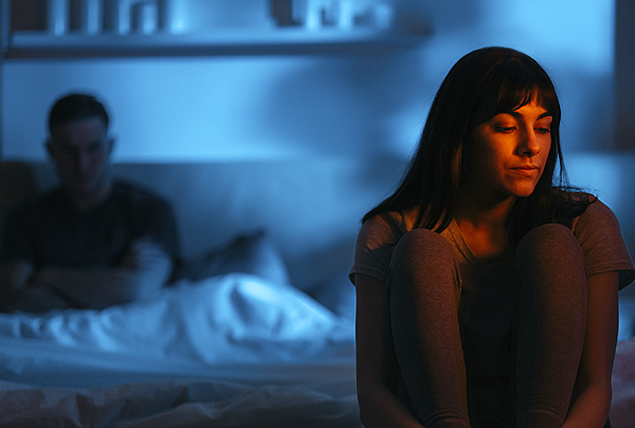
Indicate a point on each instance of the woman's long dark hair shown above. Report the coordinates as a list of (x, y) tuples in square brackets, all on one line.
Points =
[(482, 84)]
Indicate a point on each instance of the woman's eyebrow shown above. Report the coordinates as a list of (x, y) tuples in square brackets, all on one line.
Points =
[(518, 115)]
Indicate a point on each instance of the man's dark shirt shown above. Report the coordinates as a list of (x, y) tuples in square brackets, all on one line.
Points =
[(50, 231)]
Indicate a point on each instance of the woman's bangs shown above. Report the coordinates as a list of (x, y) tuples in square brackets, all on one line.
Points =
[(515, 98), (513, 86)]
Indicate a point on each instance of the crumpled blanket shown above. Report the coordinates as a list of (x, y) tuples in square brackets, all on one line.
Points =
[(184, 403)]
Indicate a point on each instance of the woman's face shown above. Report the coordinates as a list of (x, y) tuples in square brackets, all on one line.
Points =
[(509, 152)]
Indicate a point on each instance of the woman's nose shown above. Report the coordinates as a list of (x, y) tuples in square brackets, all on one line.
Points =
[(528, 145)]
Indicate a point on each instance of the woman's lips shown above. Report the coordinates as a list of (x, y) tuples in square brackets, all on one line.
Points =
[(526, 169)]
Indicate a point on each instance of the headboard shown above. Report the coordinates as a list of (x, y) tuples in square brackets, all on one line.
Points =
[(311, 207)]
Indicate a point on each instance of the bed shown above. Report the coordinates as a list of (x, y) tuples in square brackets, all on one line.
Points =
[(259, 330), (231, 350)]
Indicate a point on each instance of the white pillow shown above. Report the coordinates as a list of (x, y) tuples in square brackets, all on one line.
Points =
[(252, 253)]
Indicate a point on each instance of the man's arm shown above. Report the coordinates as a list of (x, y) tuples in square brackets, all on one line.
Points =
[(144, 270), (14, 277)]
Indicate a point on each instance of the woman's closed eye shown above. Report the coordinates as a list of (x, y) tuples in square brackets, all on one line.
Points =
[(505, 129), (542, 130), (543, 125)]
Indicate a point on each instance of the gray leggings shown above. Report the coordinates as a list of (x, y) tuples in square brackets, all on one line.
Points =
[(545, 342)]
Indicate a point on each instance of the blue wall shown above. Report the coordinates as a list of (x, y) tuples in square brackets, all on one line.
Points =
[(256, 107), (182, 109)]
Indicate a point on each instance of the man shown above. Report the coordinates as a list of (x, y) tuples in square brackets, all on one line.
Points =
[(92, 242)]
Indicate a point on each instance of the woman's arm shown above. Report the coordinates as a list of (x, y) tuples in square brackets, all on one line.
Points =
[(592, 396), (377, 368)]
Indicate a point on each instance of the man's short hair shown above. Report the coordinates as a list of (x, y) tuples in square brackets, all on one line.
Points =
[(74, 107)]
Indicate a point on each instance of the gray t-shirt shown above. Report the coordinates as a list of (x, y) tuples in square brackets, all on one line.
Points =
[(597, 231)]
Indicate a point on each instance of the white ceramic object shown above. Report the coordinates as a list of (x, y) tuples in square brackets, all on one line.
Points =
[(145, 17), (58, 17), (191, 16), (92, 16)]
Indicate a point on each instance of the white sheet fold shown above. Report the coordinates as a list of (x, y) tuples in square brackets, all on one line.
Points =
[(231, 319)]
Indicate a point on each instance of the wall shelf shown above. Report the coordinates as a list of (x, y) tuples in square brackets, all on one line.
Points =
[(34, 32), (279, 41)]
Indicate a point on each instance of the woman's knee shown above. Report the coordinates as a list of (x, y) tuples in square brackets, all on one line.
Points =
[(551, 244), (550, 255), (421, 247), (423, 259)]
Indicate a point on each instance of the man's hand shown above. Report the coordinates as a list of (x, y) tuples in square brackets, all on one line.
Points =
[(143, 253)]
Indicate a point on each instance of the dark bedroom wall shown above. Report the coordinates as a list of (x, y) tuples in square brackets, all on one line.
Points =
[(271, 107)]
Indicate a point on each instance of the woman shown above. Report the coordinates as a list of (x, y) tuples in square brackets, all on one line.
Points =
[(487, 293)]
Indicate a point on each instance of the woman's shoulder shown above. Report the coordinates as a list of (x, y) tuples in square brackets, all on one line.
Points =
[(385, 228), (398, 222), (592, 208), (567, 206), (377, 239), (597, 219), (597, 230)]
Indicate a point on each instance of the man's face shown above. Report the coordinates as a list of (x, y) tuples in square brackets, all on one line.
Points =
[(81, 149)]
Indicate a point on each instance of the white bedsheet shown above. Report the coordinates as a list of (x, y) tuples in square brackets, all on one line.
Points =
[(229, 319), (232, 350)]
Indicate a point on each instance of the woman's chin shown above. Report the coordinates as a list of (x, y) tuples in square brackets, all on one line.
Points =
[(523, 191)]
